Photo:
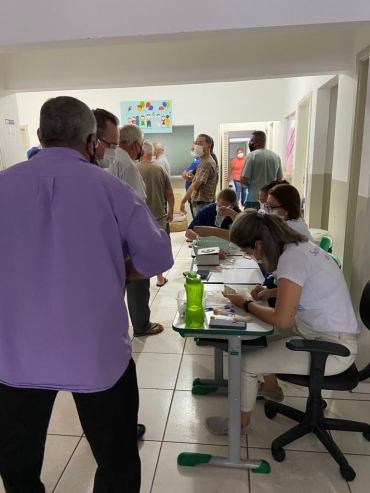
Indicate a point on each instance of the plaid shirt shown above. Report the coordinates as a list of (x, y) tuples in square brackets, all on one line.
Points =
[(206, 173)]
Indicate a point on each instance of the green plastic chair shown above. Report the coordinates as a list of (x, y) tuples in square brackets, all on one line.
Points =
[(326, 244), (336, 260)]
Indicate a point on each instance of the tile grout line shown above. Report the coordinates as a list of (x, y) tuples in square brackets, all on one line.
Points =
[(168, 416), (68, 462)]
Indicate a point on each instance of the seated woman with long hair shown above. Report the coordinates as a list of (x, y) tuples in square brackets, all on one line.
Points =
[(312, 296), (283, 200)]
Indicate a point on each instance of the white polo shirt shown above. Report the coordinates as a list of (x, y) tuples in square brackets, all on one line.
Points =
[(125, 169), (325, 304)]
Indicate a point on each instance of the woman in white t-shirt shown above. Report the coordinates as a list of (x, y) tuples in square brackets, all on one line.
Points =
[(312, 294), (284, 201)]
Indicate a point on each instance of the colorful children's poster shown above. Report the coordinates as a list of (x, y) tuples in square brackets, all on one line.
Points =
[(150, 116)]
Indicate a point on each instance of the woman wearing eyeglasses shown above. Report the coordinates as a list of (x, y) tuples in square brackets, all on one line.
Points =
[(312, 295), (284, 201)]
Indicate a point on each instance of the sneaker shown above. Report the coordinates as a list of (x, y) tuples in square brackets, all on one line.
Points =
[(271, 396), (219, 425)]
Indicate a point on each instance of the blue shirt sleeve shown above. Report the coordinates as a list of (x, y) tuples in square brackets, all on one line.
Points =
[(205, 217), (192, 167)]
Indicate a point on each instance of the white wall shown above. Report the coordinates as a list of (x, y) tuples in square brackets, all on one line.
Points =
[(298, 88), (344, 126), (10, 145), (203, 105)]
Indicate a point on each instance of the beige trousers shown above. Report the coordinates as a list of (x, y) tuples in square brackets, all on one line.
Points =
[(277, 358)]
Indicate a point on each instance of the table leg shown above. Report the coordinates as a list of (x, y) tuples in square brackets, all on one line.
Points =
[(234, 459), (218, 385)]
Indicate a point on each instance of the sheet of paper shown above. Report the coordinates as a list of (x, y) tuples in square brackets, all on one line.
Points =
[(242, 276)]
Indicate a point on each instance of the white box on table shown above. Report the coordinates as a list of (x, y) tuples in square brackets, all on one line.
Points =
[(208, 256)]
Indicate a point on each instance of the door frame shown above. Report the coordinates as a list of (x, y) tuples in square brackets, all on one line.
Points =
[(305, 102), (363, 61)]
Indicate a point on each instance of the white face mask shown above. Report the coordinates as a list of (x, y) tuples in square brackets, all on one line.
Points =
[(275, 212), (254, 258), (219, 219), (262, 205), (199, 151), (192, 153), (110, 155), (240, 155)]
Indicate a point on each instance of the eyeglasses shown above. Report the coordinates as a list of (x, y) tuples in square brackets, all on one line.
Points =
[(247, 256), (270, 208), (110, 146)]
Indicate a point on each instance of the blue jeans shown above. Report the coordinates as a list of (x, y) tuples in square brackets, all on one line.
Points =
[(240, 191)]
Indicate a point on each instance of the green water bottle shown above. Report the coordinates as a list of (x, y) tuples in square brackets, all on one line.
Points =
[(194, 314)]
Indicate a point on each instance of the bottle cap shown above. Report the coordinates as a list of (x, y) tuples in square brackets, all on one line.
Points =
[(193, 278)]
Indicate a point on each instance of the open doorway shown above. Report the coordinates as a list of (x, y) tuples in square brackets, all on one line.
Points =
[(25, 140), (300, 171), (236, 135)]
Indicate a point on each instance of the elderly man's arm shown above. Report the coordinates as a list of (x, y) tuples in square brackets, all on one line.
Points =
[(171, 204)]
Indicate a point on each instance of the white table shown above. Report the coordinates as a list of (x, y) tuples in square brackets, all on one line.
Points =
[(254, 330), (232, 270)]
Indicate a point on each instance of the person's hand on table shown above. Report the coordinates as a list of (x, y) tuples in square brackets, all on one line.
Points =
[(235, 299), (203, 231), (261, 293), (182, 208)]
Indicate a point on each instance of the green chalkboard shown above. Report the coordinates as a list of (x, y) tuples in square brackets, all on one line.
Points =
[(176, 147)]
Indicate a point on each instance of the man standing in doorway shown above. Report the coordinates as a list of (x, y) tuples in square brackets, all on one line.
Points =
[(160, 158), (158, 187), (138, 291), (202, 191), (262, 166)]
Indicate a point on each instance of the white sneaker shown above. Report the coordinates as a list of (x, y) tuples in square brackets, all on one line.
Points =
[(219, 425)]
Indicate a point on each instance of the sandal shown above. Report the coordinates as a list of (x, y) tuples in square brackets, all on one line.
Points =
[(153, 330), (161, 285)]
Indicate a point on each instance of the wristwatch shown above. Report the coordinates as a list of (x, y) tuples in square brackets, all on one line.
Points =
[(246, 305)]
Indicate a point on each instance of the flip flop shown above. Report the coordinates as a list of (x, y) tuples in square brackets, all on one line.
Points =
[(161, 285), (153, 330)]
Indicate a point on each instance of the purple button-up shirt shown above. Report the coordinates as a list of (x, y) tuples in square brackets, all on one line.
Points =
[(64, 228)]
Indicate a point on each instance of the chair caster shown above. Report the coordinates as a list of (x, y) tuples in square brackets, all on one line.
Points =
[(270, 413), (324, 404), (278, 454), (366, 434), (348, 474)]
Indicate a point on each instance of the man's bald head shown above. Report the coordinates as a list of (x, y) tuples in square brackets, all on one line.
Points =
[(158, 149)]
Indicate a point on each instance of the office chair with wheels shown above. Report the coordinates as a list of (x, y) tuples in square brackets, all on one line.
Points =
[(313, 419)]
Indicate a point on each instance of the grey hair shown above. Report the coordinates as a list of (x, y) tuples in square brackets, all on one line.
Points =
[(158, 146), (251, 226), (129, 134), (65, 122), (148, 148)]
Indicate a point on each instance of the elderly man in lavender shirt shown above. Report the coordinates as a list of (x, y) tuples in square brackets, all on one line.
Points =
[(64, 230)]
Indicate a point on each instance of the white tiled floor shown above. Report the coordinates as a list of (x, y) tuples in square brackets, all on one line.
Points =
[(167, 365)]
